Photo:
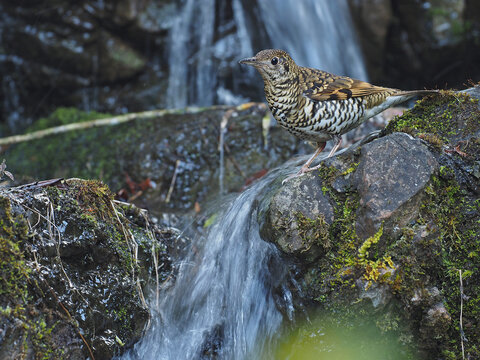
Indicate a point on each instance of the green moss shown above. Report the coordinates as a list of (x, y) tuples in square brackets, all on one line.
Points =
[(351, 169), (367, 244), (457, 216), (90, 201), (313, 229), (328, 174), (65, 116), (332, 279), (13, 271), (378, 270), (16, 286), (89, 153), (450, 220), (439, 118)]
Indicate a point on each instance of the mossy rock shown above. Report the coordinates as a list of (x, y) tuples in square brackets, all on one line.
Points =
[(399, 254), (447, 119), (181, 145), (75, 268)]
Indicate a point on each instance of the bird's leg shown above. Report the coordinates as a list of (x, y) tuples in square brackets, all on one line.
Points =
[(305, 168), (337, 141)]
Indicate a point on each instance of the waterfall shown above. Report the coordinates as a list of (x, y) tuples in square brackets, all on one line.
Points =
[(190, 55), (203, 55), (221, 305), (317, 33)]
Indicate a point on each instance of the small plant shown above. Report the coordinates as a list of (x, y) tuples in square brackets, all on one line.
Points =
[(3, 166)]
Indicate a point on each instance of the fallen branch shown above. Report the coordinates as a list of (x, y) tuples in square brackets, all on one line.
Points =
[(115, 120)]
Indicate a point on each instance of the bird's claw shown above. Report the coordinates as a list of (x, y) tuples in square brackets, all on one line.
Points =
[(301, 172)]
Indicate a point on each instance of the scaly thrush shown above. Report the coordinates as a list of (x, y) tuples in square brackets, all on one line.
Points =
[(317, 106)]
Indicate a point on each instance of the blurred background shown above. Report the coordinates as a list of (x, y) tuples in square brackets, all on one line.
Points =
[(134, 55)]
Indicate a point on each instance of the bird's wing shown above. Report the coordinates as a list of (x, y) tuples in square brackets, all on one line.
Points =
[(320, 85)]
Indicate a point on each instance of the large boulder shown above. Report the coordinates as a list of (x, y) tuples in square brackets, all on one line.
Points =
[(386, 233), (104, 56)]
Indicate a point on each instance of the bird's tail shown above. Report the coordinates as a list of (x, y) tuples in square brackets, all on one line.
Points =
[(412, 93), (396, 98)]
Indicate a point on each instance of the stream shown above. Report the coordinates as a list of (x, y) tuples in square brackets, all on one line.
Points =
[(222, 304), (228, 300)]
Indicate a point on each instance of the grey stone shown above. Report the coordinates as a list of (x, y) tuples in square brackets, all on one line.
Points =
[(293, 205), (390, 178)]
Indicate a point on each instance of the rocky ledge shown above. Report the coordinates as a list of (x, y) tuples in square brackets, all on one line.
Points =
[(388, 233), (75, 269), (169, 162)]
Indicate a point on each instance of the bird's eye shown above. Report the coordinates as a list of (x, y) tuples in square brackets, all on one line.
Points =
[(275, 61)]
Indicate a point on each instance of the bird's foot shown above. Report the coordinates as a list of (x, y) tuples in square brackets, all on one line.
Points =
[(304, 169), (291, 177)]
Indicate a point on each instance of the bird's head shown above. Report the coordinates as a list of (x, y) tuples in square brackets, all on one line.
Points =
[(274, 65)]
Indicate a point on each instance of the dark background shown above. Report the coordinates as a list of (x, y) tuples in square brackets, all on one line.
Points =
[(119, 56)]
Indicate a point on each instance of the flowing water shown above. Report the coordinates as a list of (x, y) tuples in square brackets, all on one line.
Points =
[(318, 33), (222, 304)]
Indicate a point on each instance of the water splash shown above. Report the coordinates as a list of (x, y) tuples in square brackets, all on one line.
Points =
[(222, 303)]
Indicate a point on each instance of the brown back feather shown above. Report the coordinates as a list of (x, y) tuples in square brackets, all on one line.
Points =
[(321, 86)]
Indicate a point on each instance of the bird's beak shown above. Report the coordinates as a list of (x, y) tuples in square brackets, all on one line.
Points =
[(248, 61)]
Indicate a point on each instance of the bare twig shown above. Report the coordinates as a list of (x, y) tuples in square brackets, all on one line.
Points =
[(128, 235), (154, 256), (115, 120), (151, 236), (172, 184), (462, 334), (155, 263), (130, 240), (140, 294)]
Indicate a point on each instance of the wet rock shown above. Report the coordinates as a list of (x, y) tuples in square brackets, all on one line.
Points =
[(379, 294), (373, 19), (405, 221), (298, 218), (412, 44), (76, 268), (105, 56), (389, 177), (434, 327)]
